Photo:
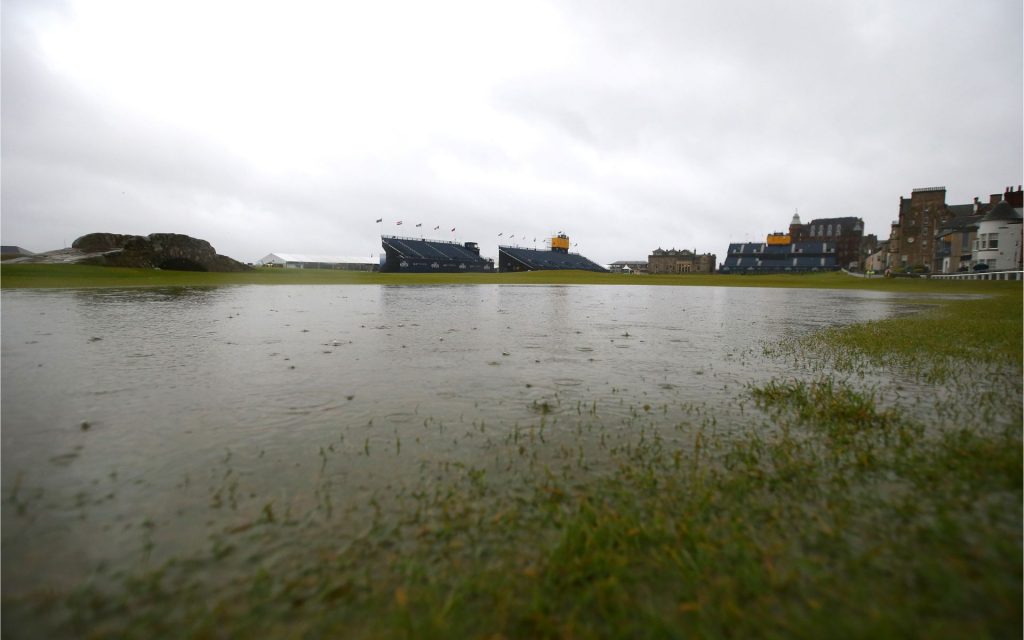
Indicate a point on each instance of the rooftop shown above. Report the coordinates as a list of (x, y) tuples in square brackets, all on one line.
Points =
[(316, 258), (1003, 211)]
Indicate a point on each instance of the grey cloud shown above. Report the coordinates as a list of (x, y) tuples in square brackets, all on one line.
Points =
[(680, 124)]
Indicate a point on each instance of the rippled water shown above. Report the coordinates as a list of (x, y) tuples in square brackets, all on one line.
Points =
[(130, 417)]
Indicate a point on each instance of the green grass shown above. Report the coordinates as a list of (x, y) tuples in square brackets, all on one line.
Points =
[(841, 522), (967, 336), (825, 513), (953, 330), (17, 276)]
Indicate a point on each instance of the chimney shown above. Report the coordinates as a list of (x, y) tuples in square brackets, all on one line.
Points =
[(1015, 198)]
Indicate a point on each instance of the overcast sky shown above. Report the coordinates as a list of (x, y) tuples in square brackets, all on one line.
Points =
[(292, 126)]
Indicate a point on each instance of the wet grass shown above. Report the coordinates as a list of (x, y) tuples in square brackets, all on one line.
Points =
[(840, 522), (825, 511), (958, 337), (19, 276)]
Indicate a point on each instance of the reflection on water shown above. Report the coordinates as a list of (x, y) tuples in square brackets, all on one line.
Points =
[(130, 415)]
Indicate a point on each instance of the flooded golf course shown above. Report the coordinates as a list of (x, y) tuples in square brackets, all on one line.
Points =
[(142, 426), (123, 409)]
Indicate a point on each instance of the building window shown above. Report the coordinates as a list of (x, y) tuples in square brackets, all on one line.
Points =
[(839, 229), (993, 241), (829, 229)]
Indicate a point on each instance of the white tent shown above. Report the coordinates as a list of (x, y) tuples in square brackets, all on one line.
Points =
[(314, 261)]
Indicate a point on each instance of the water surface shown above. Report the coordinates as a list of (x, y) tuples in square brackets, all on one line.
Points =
[(137, 423)]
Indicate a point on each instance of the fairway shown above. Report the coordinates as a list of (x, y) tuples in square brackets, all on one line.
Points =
[(20, 276)]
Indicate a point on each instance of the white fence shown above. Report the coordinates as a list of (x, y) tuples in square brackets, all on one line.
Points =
[(859, 274), (976, 275), (982, 275)]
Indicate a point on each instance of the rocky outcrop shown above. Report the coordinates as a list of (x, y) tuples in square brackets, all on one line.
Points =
[(172, 251), (98, 242)]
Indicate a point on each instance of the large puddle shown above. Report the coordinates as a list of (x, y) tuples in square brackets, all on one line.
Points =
[(137, 423)]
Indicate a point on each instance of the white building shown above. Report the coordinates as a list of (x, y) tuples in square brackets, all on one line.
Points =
[(999, 239), (876, 261), (310, 261), (628, 266)]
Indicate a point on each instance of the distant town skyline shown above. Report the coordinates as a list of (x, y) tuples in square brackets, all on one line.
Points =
[(295, 127)]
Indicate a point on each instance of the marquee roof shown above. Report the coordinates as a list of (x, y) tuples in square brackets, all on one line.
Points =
[(278, 258)]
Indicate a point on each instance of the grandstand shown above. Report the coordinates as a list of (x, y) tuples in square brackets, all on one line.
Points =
[(416, 255), (755, 257), (558, 257)]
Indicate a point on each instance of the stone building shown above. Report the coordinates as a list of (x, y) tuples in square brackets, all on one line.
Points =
[(680, 261), (954, 239), (932, 236), (920, 218), (875, 261), (868, 246)]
